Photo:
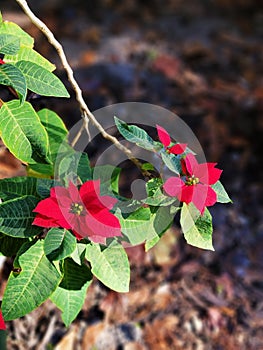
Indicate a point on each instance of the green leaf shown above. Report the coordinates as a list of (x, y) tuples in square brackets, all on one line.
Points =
[(41, 81), (44, 186), (135, 134), (22, 132), (56, 130), (13, 29), (70, 295), (222, 196), (79, 253), (17, 187), (109, 178), (155, 195), (59, 244), (197, 229), (30, 55), (12, 76), (172, 162), (9, 44), (110, 266), (163, 219), (9, 246), (16, 217), (137, 226), (73, 165), (29, 288)]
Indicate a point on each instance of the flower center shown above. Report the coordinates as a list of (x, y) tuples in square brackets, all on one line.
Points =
[(192, 180), (77, 208)]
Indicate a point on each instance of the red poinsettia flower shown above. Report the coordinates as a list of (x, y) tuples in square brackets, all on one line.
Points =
[(165, 139), (2, 323), (194, 185), (83, 211), (1, 61)]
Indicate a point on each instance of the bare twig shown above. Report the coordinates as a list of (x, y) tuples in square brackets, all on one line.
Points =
[(85, 112)]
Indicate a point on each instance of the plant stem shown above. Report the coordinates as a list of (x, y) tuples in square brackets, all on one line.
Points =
[(86, 114)]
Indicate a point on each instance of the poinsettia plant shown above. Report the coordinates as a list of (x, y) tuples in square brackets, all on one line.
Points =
[(65, 222)]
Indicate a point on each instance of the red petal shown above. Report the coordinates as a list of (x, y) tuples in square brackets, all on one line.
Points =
[(1, 61), (173, 186), (2, 322), (200, 196), (211, 197), (104, 224), (43, 221), (74, 192), (179, 148), (191, 163), (61, 195), (48, 207), (163, 135), (207, 173), (187, 194), (183, 165)]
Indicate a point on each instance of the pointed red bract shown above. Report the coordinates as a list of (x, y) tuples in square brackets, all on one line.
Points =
[(179, 148), (163, 135), (83, 211), (165, 139), (196, 185), (2, 322)]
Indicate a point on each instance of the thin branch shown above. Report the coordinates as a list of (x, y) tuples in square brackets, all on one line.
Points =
[(85, 112)]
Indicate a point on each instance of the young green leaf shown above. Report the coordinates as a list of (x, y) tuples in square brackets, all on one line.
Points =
[(79, 253), (56, 130), (74, 164), (13, 77), (197, 229), (44, 185), (59, 244), (41, 81), (109, 178), (9, 44), (222, 196), (135, 134), (23, 133), (172, 162), (28, 54), (70, 295), (16, 217), (110, 266), (33, 281), (13, 29)]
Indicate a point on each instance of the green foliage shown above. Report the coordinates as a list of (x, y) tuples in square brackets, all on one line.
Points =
[(19, 123), (30, 55), (59, 244), (135, 134), (11, 28), (197, 229), (16, 217), (9, 44), (40, 80), (70, 294), (33, 280), (17, 187), (13, 77), (110, 266), (222, 196)]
